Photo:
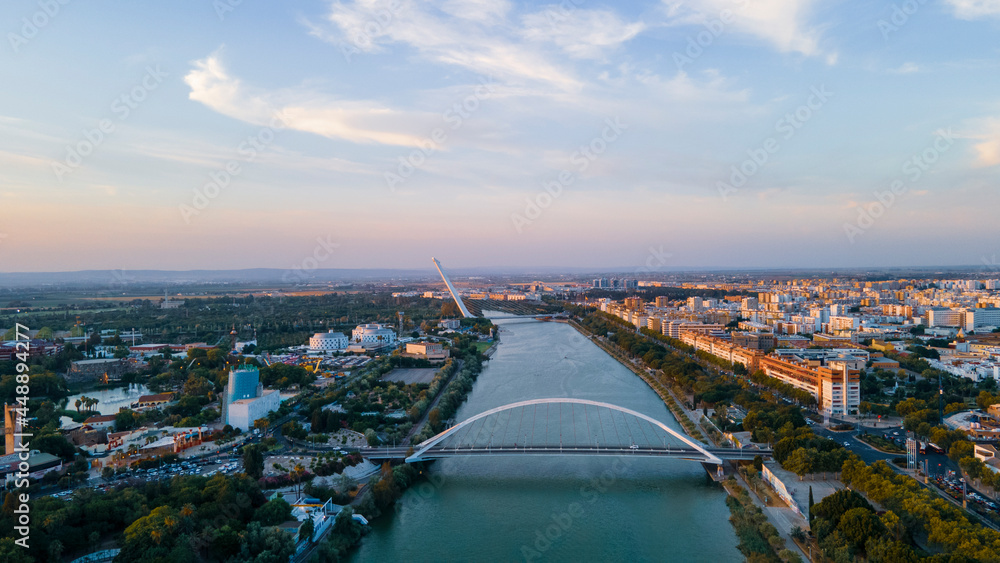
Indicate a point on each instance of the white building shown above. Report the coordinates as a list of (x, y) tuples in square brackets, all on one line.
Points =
[(328, 342), (982, 317), (244, 412), (373, 335), (943, 316)]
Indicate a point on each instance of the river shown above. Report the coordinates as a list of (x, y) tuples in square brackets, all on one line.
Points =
[(556, 508)]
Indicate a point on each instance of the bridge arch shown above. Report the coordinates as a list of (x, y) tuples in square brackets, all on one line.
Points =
[(425, 446)]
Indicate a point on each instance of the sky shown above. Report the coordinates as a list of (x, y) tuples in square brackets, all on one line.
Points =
[(378, 133)]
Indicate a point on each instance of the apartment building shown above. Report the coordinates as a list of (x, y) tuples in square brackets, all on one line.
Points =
[(834, 382)]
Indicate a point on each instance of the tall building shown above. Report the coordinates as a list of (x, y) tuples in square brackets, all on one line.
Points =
[(633, 303), (246, 400), (243, 383), (835, 383)]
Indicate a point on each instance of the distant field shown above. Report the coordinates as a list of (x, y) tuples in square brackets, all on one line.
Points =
[(409, 376), (483, 346)]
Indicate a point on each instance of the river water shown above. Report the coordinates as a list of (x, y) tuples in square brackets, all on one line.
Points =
[(556, 508)]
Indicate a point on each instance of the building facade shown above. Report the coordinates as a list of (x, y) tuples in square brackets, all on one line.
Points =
[(328, 342), (244, 412)]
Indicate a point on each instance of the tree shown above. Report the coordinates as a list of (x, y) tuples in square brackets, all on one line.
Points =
[(273, 512), (800, 463), (833, 507), (449, 309), (371, 437), (986, 399), (126, 419), (864, 408), (810, 504), (261, 424), (960, 449), (265, 545), (858, 525), (253, 461), (55, 550), (306, 530), (434, 419)]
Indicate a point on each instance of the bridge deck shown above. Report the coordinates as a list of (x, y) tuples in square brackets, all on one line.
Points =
[(677, 453)]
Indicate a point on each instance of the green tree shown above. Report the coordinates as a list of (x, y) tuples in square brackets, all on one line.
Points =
[(306, 530), (253, 461), (810, 504), (265, 545), (858, 525), (960, 449), (273, 512), (800, 463), (126, 419)]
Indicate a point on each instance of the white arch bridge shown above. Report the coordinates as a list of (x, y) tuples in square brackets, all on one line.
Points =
[(561, 426)]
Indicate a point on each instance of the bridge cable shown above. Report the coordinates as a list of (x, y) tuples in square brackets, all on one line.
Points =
[(476, 441), (458, 435), (510, 414), (546, 424), (600, 421), (534, 414), (644, 437), (519, 423), (617, 437), (625, 420), (560, 426), (572, 412), (472, 427)]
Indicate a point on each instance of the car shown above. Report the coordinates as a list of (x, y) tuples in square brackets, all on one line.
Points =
[(847, 444)]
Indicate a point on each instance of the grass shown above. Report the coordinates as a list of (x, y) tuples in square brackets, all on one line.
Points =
[(881, 443)]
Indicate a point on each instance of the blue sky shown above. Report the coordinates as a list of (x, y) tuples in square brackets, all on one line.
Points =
[(498, 133)]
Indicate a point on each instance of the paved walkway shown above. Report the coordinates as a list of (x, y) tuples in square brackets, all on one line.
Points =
[(783, 518)]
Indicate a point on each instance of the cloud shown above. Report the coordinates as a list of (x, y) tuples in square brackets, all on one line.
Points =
[(988, 148), (974, 9), (905, 68), (468, 34), (580, 33), (482, 11), (782, 23), (304, 110)]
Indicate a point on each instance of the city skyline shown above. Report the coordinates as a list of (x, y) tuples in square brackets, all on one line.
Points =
[(700, 135)]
